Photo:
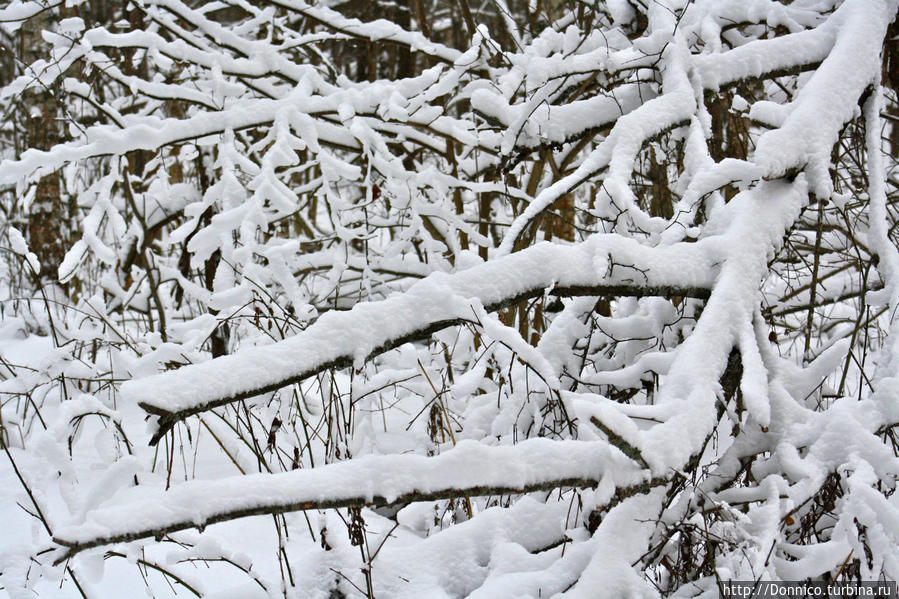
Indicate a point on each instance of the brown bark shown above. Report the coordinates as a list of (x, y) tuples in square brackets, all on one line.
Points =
[(47, 217)]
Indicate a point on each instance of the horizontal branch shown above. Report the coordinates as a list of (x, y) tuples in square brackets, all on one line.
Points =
[(470, 469), (608, 265)]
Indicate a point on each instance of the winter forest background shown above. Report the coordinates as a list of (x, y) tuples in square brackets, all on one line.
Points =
[(445, 298)]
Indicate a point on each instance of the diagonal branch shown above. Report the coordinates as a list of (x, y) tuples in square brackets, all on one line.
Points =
[(469, 469), (603, 265)]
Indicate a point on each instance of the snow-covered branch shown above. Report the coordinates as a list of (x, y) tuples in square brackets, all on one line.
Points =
[(470, 469), (604, 265)]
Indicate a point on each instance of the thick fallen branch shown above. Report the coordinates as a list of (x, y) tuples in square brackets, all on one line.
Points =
[(469, 469), (603, 265)]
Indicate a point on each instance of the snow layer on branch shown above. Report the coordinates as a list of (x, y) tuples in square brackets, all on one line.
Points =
[(758, 218), (439, 300), (136, 512), (762, 57), (541, 123), (830, 98), (18, 11), (143, 133), (375, 30)]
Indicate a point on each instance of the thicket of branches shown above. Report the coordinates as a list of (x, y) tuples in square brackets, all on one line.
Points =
[(432, 298)]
